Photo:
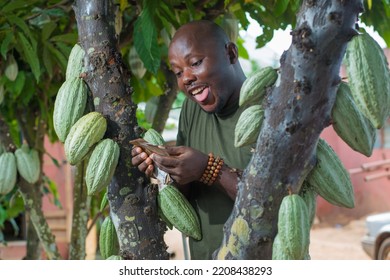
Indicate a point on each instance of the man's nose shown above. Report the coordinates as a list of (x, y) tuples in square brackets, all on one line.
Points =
[(188, 77)]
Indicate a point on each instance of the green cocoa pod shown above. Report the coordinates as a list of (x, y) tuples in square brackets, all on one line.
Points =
[(101, 165), (330, 179), (137, 66), (254, 88), (179, 211), (153, 137), (294, 227), (248, 126), (8, 172), (11, 70), (350, 124), (85, 133), (108, 239), (69, 106), (28, 163), (279, 250), (115, 258), (369, 78), (75, 62), (310, 197), (103, 202)]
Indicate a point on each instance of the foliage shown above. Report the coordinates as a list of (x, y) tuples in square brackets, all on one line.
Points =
[(38, 36)]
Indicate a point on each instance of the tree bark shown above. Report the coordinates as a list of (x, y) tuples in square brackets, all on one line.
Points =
[(297, 110), (77, 249), (132, 201), (166, 100), (46, 237)]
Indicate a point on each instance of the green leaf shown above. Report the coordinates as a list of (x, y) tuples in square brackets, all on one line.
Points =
[(24, 27), (4, 45), (191, 9), (3, 216), (47, 60), (16, 86), (280, 7), (30, 55), (47, 30), (61, 58), (14, 5), (145, 38), (70, 38), (52, 188), (16, 205), (243, 53)]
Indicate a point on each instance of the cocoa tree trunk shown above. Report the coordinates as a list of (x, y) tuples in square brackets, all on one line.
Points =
[(132, 201), (33, 248), (77, 249), (297, 110), (29, 194), (166, 100)]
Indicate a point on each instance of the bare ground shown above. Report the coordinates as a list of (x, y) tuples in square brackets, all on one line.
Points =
[(326, 242)]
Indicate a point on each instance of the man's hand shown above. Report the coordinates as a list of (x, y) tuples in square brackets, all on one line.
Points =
[(183, 164), (142, 160)]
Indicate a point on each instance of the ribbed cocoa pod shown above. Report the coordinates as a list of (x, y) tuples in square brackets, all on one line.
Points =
[(350, 123), (101, 165), (255, 86), (293, 229), (69, 106), (179, 212), (330, 179), (84, 134), (248, 126), (11, 70), (8, 172), (75, 62), (28, 163), (108, 239), (369, 78)]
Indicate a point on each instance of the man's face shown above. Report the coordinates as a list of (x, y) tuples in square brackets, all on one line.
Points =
[(202, 67)]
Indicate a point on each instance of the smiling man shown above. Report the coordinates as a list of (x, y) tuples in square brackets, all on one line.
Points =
[(205, 164)]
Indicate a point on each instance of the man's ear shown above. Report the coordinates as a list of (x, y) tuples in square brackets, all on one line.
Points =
[(232, 52)]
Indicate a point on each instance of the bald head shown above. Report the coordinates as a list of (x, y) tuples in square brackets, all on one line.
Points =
[(206, 65), (202, 30)]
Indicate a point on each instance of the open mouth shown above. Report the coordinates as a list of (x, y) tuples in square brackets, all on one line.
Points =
[(200, 94)]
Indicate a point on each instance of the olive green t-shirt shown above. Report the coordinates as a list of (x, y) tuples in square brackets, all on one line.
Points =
[(211, 133)]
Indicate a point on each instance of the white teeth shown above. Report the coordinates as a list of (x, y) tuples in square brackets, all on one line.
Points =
[(196, 91)]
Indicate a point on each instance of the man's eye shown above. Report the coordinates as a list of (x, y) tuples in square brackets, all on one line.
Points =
[(178, 74), (197, 63)]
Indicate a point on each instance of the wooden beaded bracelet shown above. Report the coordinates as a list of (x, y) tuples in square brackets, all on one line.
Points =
[(211, 172)]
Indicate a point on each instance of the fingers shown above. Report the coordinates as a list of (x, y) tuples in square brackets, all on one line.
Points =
[(142, 160)]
